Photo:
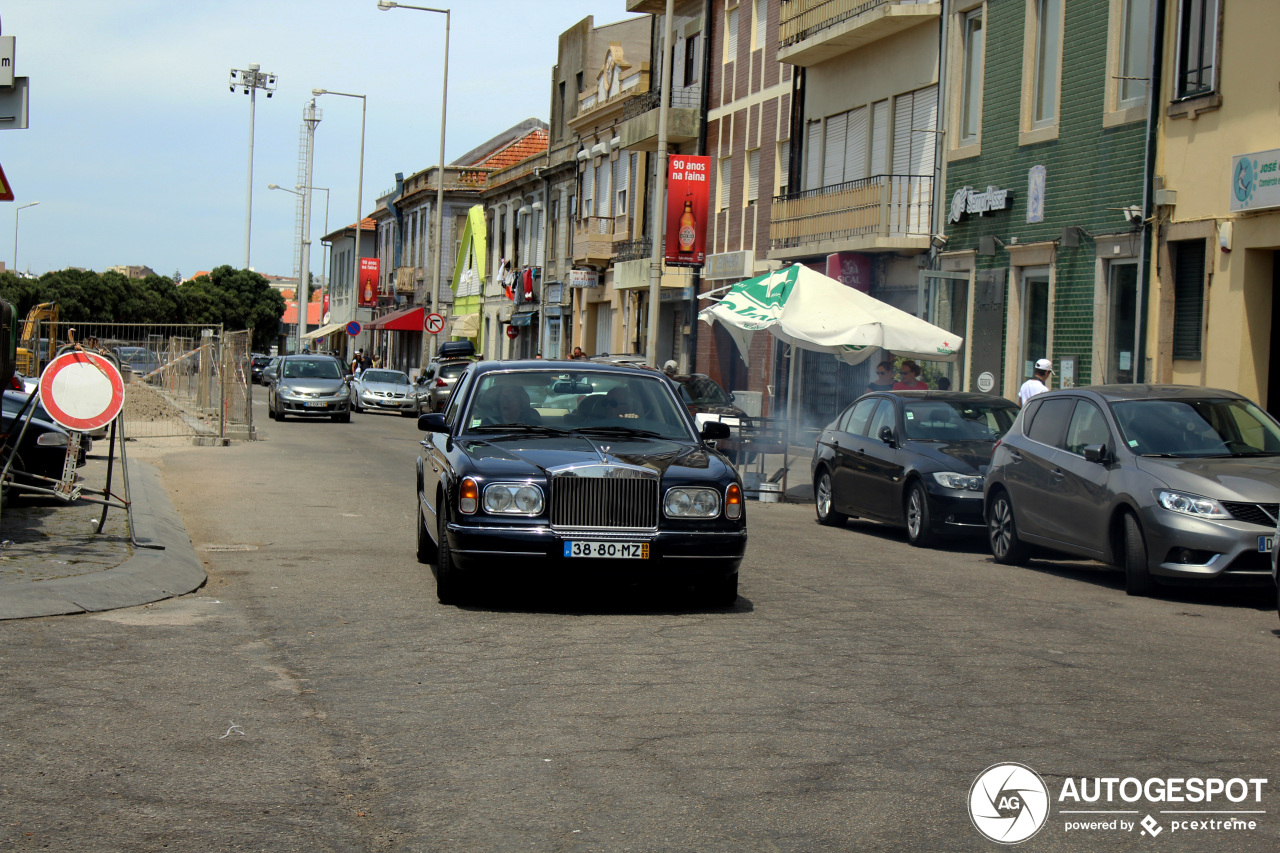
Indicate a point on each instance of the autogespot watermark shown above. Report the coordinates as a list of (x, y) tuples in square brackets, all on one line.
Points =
[(1009, 803)]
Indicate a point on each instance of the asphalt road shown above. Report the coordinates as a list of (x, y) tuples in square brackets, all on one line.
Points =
[(315, 696)]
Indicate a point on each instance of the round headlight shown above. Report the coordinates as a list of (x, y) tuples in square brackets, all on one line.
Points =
[(678, 502), (497, 499), (692, 503), (528, 499)]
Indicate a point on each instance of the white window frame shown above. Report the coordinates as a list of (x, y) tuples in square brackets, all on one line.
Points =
[(1120, 111), (730, 34), (759, 25), (726, 173), (1033, 130), (962, 147), (782, 166)]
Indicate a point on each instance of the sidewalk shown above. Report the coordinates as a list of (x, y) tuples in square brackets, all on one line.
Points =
[(52, 561)]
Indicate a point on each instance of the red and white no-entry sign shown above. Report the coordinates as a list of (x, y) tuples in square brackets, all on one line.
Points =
[(82, 390), (433, 323)]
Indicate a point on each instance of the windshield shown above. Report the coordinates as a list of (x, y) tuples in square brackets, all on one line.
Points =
[(325, 368), (136, 355), (452, 371), (703, 390), (393, 377), (942, 420), (588, 402), (1197, 428)]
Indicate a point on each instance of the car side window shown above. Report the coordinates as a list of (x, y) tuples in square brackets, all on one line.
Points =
[(456, 398), (1087, 427), (884, 417), (855, 420), (1049, 421)]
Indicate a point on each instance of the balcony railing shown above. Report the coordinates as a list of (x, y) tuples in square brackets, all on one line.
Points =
[(687, 98), (801, 19), (882, 205), (593, 239)]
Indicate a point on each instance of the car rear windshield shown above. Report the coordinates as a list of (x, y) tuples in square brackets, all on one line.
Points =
[(452, 371), (394, 377), (1195, 428), (702, 390), (308, 369), (941, 420)]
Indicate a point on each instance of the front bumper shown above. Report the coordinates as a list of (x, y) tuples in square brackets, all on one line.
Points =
[(529, 549), (956, 512), (315, 408), (1197, 549), (391, 404)]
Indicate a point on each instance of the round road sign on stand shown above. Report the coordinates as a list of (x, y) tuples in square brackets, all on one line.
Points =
[(433, 324), (82, 391), (513, 331), (353, 328)]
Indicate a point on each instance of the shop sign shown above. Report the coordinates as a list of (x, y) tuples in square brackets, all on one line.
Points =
[(1255, 180), (729, 265), (584, 278), (968, 200), (688, 186)]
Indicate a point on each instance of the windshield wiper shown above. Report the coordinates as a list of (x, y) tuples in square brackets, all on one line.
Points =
[(519, 428), (1254, 453), (618, 430)]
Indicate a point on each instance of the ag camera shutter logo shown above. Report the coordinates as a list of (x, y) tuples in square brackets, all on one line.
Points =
[(1008, 803)]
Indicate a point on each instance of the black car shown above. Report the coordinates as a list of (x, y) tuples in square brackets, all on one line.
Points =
[(707, 401), (910, 458), (256, 364), (550, 468), (42, 453)]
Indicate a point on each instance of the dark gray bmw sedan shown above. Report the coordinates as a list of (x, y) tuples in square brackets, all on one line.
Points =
[(1169, 483)]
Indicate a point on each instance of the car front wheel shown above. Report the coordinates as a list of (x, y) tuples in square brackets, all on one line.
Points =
[(919, 523), (426, 548), (1137, 578), (449, 585), (825, 498), (1006, 547)]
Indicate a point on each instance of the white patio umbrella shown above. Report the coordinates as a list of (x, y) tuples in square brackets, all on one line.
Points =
[(813, 312)]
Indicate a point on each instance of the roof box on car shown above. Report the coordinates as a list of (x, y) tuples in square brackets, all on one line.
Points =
[(456, 349)]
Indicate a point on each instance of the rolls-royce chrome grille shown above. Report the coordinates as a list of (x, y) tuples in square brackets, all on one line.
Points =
[(616, 499)]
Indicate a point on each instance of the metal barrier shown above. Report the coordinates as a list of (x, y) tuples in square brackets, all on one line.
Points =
[(181, 380)]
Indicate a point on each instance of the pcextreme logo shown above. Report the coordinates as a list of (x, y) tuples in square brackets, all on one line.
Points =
[(1009, 803)]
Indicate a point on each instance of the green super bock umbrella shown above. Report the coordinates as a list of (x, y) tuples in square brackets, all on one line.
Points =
[(813, 312)]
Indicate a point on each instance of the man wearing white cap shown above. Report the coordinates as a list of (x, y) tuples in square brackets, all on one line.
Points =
[(670, 368), (1038, 383)]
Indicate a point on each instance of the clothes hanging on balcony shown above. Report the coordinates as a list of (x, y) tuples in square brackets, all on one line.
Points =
[(528, 284)]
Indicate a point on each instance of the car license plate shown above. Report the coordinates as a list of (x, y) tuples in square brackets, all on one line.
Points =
[(1266, 543), (608, 550), (311, 405)]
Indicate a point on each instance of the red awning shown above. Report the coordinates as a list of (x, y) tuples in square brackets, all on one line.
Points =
[(404, 320)]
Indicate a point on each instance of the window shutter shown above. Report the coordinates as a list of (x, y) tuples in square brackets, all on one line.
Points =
[(879, 138), (901, 164), (855, 146), (726, 172), (536, 260), (731, 37), (631, 196), (753, 174), (784, 166), (588, 188), (762, 20), (603, 202), (1188, 298), (833, 150), (812, 156), (924, 116)]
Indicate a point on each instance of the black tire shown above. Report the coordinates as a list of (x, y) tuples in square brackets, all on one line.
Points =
[(919, 520), (449, 584), (1137, 578), (825, 500), (1002, 532), (276, 414), (344, 418), (426, 548), (407, 414), (718, 592)]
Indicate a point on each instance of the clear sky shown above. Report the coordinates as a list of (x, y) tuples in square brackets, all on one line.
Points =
[(138, 153)]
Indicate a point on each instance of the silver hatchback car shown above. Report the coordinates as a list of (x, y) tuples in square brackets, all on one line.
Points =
[(1169, 483)]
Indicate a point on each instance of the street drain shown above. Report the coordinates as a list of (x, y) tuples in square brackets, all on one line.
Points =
[(227, 548)]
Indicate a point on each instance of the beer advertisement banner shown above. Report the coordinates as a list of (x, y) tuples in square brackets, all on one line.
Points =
[(368, 297), (688, 188)]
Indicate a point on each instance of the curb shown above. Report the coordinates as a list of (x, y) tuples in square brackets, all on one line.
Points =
[(145, 577)]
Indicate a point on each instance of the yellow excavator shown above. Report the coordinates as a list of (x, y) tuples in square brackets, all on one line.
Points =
[(31, 360)]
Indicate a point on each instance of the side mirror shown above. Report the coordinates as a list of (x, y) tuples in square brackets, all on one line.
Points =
[(433, 422), (714, 430), (1097, 453), (886, 435)]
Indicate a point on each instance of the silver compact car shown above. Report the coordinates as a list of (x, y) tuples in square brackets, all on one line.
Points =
[(309, 386), (1169, 483), (384, 390)]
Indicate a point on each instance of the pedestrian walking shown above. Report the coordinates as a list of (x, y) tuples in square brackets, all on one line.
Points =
[(1038, 383)]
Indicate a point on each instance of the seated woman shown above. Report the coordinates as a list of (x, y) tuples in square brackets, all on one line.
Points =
[(512, 407)]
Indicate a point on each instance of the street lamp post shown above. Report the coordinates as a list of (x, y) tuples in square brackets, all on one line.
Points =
[(250, 82), (387, 5), (15, 233), (355, 259)]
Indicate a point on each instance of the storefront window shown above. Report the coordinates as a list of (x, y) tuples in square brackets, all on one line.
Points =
[(1035, 339), (1122, 317)]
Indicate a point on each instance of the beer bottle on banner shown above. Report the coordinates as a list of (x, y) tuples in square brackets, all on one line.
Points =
[(688, 230), (368, 291)]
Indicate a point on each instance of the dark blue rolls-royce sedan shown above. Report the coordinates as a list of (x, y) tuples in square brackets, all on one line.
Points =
[(576, 470)]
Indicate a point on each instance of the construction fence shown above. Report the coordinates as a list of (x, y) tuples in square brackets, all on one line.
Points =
[(181, 380)]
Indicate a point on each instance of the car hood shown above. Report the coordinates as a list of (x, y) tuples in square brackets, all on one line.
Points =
[(311, 386), (521, 455), (1252, 479), (387, 387), (962, 457)]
